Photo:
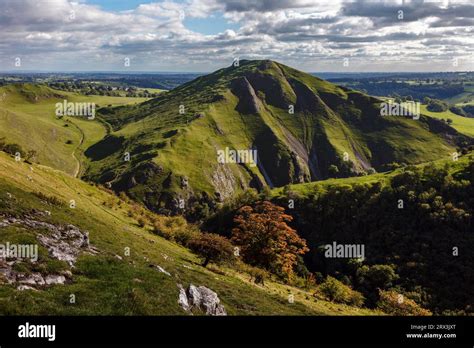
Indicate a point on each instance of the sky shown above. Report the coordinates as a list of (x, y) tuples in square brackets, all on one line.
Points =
[(204, 35)]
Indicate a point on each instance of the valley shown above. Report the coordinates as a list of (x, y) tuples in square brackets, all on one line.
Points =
[(151, 177)]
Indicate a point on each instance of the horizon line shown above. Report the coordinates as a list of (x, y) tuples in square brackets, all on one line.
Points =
[(210, 72)]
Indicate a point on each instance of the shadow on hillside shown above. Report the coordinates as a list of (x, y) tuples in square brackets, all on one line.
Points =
[(104, 148)]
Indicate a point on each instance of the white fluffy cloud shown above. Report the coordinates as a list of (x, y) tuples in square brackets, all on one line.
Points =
[(312, 35)]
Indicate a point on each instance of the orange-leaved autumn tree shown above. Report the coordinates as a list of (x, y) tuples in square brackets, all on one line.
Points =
[(266, 240)]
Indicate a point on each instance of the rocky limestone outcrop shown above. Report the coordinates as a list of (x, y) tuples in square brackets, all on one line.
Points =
[(161, 269), (248, 100), (63, 243), (223, 181), (202, 298)]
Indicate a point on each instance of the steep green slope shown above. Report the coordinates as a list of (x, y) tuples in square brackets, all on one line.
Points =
[(464, 125), (298, 124), (414, 224), (105, 279), (27, 118), (417, 220)]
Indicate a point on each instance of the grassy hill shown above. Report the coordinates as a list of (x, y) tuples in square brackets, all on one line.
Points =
[(414, 223), (300, 126), (464, 125), (413, 220), (104, 280), (27, 118)]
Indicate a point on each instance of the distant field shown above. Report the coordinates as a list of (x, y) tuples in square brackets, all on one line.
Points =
[(27, 118), (152, 90), (462, 124), (467, 97)]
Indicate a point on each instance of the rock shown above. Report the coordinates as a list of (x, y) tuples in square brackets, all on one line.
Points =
[(55, 279), (184, 182), (183, 298), (202, 298), (65, 243), (67, 274), (25, 287), (161, 269), (248, 100), (32, 279)]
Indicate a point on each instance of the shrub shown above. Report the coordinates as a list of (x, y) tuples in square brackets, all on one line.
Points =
[(336, 291), (372, 278), (394, 303), (141, 222), (185, 235), (212, 248), (12, 149), (257, 275), (52, 200), (168, 226)]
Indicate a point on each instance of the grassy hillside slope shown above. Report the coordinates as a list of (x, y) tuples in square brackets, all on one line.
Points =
[(414, 219), (27, 118), (464, 125), (300, 125), (107, 281)]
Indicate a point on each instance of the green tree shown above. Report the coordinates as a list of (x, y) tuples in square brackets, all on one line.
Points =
[(212, 248)]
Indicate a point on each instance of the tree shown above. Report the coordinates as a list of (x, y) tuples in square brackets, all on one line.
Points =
[(377, 276), (265, 238), (371, 278), (436, 105), (212, 247)]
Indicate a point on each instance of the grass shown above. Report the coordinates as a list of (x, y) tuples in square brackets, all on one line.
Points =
[(464, 125), (308, 188), (186, 146), (105, 285), (27, 118)]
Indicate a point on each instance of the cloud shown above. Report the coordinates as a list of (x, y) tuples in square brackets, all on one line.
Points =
[(315, 35), (263, 5)]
